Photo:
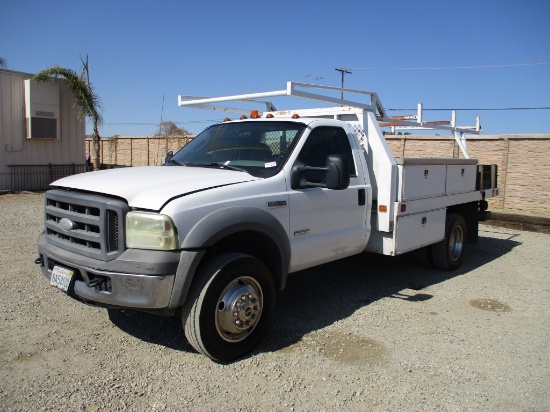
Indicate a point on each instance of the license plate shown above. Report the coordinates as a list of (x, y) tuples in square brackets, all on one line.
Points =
[(61, 278)]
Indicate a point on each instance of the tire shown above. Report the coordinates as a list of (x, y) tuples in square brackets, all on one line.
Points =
[(230, 307), (449, 253), (423, 256)]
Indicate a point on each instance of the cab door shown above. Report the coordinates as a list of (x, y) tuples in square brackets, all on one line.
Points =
[(326, 224)]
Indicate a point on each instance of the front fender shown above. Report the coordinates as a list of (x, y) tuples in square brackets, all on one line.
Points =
[(224, 222), (218, 225)]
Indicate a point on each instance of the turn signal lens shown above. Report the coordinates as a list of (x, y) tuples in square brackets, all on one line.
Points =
[(383, 208)]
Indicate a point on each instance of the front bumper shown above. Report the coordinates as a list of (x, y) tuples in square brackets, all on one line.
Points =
[(137, 279)]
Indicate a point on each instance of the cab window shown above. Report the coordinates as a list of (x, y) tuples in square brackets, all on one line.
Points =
[(322, 142)]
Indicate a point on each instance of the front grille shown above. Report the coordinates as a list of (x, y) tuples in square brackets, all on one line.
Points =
[(86, 224)]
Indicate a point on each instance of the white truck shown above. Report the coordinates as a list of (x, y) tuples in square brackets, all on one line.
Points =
[(213, 234)]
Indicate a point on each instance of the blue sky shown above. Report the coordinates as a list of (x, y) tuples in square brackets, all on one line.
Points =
[(143, 54)]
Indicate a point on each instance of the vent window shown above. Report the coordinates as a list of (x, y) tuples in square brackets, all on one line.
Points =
[(42, 108), (41, 113)]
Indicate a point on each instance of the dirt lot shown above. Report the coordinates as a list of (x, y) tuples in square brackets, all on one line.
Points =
[(366, 333)]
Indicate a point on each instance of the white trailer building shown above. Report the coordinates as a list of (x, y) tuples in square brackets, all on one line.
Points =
[(42, 138)]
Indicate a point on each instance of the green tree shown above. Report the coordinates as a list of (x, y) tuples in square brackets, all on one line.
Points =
[(88, 102)]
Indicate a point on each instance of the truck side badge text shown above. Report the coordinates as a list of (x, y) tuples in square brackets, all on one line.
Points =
[(277, 204)]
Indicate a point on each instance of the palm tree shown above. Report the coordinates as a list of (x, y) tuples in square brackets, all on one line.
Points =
[(87, 102)]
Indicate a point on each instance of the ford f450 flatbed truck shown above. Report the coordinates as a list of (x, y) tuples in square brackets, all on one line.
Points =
[(213, 234)]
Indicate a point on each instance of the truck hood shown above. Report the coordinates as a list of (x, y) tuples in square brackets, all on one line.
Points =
[(150, 187)]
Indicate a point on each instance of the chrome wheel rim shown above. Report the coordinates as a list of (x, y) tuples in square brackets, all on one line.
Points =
[(456, 243), (239, 309)]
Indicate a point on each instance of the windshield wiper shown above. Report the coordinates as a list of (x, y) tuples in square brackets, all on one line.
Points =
[(176, 162), (218, 165)]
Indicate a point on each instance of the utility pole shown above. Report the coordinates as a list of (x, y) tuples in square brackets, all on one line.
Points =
[(343, 71)]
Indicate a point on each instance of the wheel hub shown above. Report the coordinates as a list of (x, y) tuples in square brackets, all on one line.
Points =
[(239, 309), (456, 242)]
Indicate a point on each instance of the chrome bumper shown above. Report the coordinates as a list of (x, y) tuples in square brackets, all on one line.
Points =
[(148, 290)]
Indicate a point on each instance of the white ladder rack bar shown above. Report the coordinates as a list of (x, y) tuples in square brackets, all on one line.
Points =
[(292, 89)]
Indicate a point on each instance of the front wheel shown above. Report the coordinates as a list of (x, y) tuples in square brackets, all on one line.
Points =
[(230, 307), (449, 253)]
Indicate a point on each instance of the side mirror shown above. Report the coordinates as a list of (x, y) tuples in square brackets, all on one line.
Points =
[(337, 176), (169, 156)]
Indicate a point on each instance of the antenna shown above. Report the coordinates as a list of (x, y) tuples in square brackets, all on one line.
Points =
[(162, 108)]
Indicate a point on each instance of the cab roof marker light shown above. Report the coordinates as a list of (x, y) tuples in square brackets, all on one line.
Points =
[(243, 117), (295, 116), (269, 116), (227, 119), (254, 114)]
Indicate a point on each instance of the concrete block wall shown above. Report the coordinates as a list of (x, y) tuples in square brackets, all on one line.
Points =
[(137, 150)]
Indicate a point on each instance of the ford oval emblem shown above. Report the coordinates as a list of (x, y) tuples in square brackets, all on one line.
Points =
[(67, 224)]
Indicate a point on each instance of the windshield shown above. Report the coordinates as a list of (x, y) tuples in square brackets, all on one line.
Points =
[(257, 147)]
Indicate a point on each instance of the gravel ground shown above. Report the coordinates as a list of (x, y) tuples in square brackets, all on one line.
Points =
[(365, 333)]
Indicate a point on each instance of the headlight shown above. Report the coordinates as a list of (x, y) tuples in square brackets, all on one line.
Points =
[(150, 231)]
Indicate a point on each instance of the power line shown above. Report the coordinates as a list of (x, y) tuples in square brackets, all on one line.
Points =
[(486, 66), (476, 109), (151, 124), (486, 109)]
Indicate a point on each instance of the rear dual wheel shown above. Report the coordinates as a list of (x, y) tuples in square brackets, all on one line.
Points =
[(449, 253), (230, 306)]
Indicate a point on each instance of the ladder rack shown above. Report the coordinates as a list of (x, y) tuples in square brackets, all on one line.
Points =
[(374, 105), (293, 89)]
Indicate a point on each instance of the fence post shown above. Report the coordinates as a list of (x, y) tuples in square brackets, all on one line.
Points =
[(131, 151), (505, 164)]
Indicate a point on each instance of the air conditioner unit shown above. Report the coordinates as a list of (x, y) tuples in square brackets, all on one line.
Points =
[(42, 109)]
